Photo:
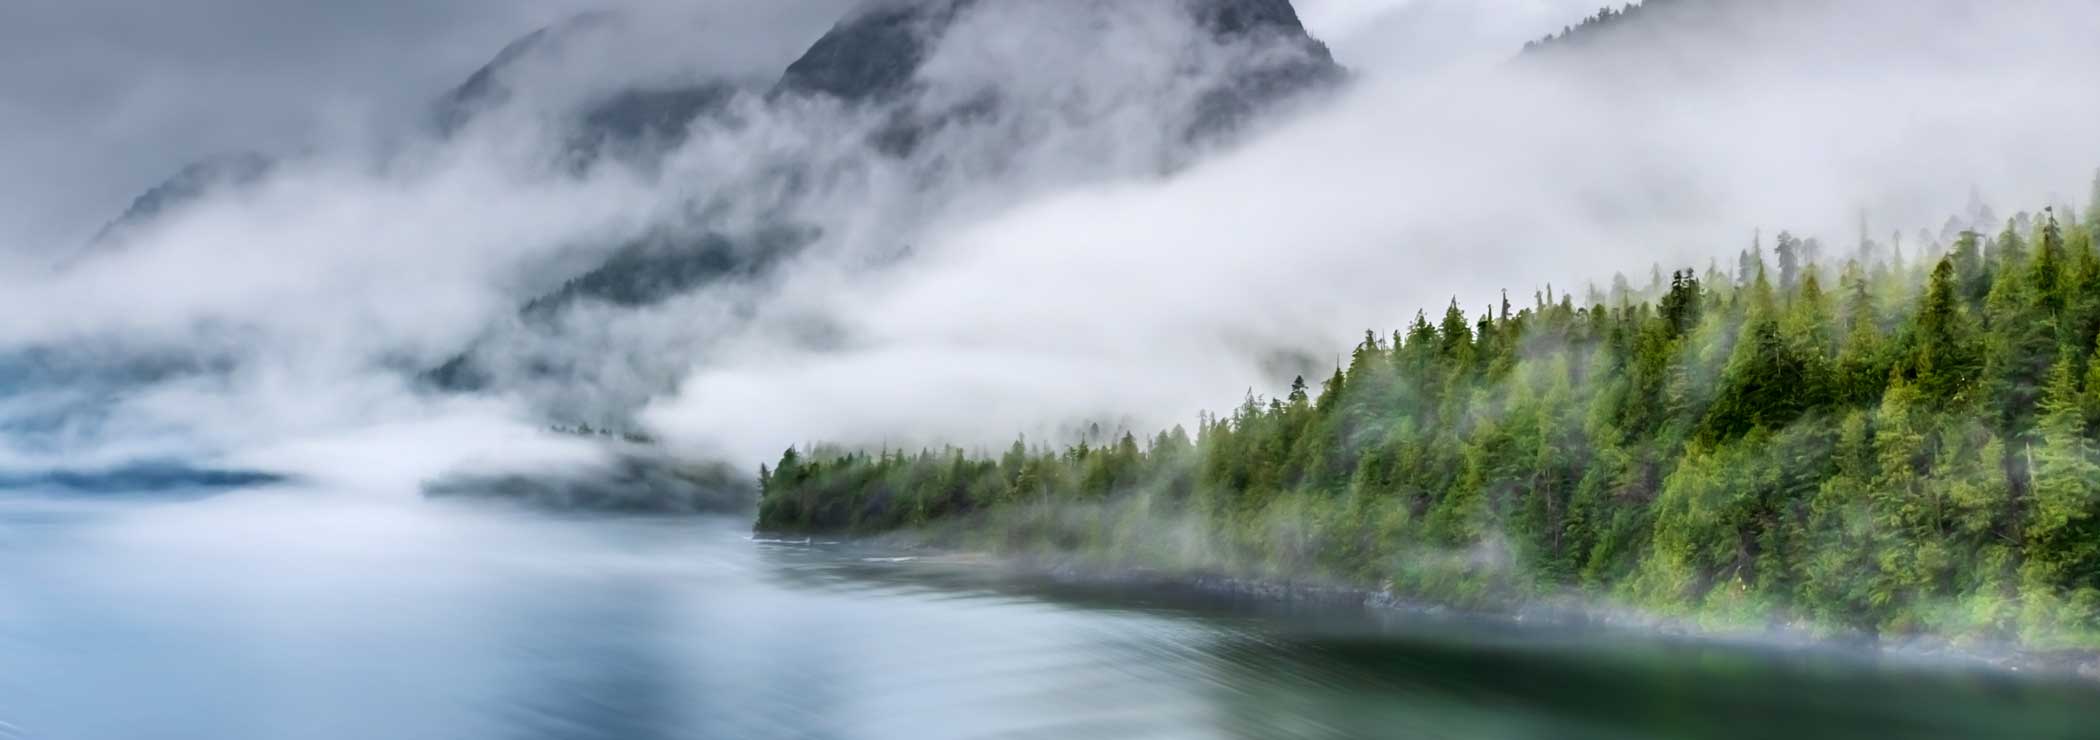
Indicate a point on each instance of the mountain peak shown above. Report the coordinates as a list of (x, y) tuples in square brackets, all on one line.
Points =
[(488, 86), (874, 52), (190, 184), (877, 51)]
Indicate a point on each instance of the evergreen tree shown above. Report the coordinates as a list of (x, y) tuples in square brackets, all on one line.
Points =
[(1789, 252), (1945, 361), (1866, 253), (2092, 204), (1970, 272), (2063, 530)]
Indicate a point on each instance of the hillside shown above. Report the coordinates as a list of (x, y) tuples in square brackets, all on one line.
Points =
[(1901, 442)]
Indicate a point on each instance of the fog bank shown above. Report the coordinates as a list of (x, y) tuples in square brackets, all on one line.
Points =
[(1065, 255)]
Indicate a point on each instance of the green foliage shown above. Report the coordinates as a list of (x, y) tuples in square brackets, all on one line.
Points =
[(1913, 451)]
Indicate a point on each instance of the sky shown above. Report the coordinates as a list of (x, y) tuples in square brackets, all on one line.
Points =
[(1024, 275)]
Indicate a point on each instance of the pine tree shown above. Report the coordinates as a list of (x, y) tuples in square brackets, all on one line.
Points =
[(1456, 338), (1749, 266), (2021, 344), (2092, 206), (1865, 253), (1789, 252), (1863, 361), (1945, 362), (2049, 268), (2063, 529), (1840, 580), (1970, 272), (2066, 477)]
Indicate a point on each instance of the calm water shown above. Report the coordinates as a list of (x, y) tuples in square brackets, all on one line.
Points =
[(294, 615)]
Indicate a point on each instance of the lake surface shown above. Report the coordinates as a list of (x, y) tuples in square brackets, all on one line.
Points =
[(287, 614)]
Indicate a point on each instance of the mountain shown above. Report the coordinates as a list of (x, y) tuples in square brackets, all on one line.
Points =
[(650, 270), (1593, 27), (1634, 24), (1696, 40), (637, 480), (624, 118), (191, 184), (876, 56), (639, 274), (642, 105), (874, 63), (486, 88), (872, 54), (871, 93), (876, 52), (652, 115), (1311, 67)]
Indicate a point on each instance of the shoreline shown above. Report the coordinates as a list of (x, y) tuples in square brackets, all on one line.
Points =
[(1074, 569)]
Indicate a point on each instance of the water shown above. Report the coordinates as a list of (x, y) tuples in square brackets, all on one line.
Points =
[(299, 615)]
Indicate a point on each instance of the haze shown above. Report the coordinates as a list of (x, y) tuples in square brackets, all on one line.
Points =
[(1029, 277)]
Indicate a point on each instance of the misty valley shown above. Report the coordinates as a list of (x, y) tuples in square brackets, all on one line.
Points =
[(1051, 368)]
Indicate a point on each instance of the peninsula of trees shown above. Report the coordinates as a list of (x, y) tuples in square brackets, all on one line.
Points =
[(1880, 441)]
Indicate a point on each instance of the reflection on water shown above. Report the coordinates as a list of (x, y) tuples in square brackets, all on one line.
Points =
[(299, 615)]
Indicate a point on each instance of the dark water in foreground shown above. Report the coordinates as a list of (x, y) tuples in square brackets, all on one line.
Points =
[(291, 615)]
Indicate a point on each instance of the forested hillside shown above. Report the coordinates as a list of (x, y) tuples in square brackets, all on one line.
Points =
[(1896, 439)]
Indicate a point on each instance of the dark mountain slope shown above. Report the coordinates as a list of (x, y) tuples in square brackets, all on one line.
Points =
[(1246, 56), (873, 54), (652, 115), (873, 57), (646, 112), (193, 183), (876, 55)]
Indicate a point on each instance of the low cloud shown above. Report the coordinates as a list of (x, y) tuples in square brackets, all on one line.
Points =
[(1145, 300), (1067, 258)]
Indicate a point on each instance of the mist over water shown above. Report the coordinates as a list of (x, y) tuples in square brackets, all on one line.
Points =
[(322, 615)]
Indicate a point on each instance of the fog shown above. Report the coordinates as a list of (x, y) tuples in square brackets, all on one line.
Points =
[(1068, 258)]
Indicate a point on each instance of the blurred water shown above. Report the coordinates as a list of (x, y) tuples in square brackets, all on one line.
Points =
[(290, 614)]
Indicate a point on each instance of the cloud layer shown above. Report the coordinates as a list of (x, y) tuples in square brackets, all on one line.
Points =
[(1145, 300), (1063, 259)]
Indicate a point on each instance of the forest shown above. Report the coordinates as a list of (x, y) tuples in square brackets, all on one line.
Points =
[(1892, 440)]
